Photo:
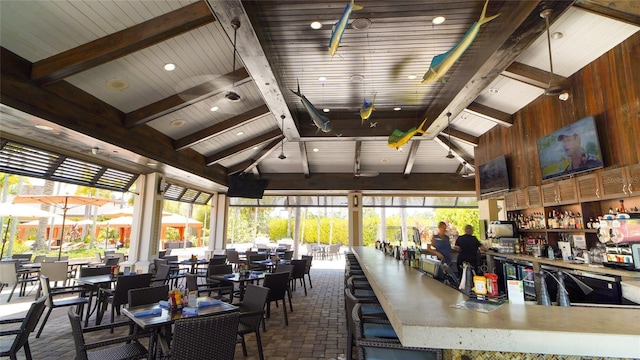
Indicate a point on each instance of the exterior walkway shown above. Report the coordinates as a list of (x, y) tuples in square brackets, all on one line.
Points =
[(317, 328)]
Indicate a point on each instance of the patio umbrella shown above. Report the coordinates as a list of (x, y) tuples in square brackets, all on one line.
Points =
[(64, 202), (15, 211)]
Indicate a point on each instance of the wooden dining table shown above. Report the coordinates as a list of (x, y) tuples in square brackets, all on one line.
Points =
[(155, 318)]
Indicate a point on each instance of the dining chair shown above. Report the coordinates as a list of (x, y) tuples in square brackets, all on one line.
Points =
[(56, 271), (252, 315), (233, 258), (148, 295), (77, 301), (278, 284), (225, 287), (299, 269), (120, 294), (307, 271), (39, 258), (251, 259), (9, 275), (130, 348), (21, 335), (218, 260), (22, 257), (111, 261), (193, 339), (208, 288), (161, 276), (288, 255), (286, 268)]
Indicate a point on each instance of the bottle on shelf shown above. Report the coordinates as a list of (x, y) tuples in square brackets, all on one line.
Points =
[(622, 209)]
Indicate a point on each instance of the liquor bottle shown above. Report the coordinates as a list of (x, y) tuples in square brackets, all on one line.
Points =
[(622, 209), (572, 220)]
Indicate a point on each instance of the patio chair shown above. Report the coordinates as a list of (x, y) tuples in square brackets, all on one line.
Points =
[(258, 257), (39, 259), (9, 275), (56, 272), (148, 295), (288, 255), (252, 314), (21, 339), (22, 257), (288, 269), (111, 261), (233, 258), (77, 302), (120, 294), (192, 337), (208, 288), (130, 348), (307, 271), (161, 276), (299, 269), (278, 283)]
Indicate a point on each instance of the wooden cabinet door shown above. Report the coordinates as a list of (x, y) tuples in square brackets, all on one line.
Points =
[(588, 187), (521, 199), (510, 201), (567, 193), (549, 194), (633, 180), (534, 196), (613, 183)]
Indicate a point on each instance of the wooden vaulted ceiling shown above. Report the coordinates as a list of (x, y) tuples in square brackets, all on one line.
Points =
[(276, 50)]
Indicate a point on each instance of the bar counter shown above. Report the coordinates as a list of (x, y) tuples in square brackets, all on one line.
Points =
[(420, 311)]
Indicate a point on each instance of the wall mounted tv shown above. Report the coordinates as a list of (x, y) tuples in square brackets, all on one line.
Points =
[(573, 149), (494, 176), (243, 186)]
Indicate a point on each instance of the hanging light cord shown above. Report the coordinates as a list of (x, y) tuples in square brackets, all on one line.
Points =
[(546, 18)]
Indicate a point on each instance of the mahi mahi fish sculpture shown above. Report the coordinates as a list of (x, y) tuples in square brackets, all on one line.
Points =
[(443, 62), (321, 121), (338, 30), (399, 138), (366, 109)]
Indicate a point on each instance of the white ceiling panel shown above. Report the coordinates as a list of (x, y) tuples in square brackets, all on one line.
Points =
[(508, 95), (472, 124), (332, 156)]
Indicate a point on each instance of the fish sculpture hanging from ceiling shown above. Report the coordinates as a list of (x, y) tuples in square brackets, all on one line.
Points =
[(443, 62), (399, 138), (366, 109), (338, 29), (319, 120)]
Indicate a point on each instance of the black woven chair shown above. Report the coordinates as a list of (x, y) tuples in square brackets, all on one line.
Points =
[(10, 347), (77, 301), (130, 348), (307, 271), (205, 337), (120, 294), (215, 290), (252, 314), (278, 283), (148, 295), (299, 269)]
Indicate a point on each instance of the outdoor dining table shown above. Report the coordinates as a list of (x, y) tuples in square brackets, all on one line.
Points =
[(92, 283), (252, 277), (191, 263), (270, 264), (153, 317)]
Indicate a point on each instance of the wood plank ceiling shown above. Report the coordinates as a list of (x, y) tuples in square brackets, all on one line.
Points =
[(92, 72)]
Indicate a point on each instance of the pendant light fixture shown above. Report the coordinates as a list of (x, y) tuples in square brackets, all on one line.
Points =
[(232, 95), (552, 90), (282, 156), (449, 153)]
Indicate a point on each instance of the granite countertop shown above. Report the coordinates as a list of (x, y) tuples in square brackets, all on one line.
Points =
[(420, 310)]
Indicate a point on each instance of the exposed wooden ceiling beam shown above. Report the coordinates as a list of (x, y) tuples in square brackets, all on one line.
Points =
[(625, 11), (221, 155), (444, 142), (461, 136), (491, 114), (262, 154), (121, 43), (186, 98), (411, 158), (531, 75), (213, 130), (304, 159), (436, 182)]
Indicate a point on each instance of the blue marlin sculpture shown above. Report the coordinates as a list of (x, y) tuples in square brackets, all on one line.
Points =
[(321, 121), (443, 62), (366, 109), (338, 30)]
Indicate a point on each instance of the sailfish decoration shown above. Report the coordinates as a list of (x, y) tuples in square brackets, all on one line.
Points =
[(399, 138), (321, 121), (338, 30), (366, 109), (443, 62)]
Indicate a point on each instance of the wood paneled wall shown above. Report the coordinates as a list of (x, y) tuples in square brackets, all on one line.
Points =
[(608, 89)]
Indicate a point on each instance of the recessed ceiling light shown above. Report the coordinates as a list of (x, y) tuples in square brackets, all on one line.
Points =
[(361, 24), (315, 150), (177, 123), (322, 78), (316, 25), (357, 78), (557, 35), (438, 20), (384, 160), (494, 90), (240, 133), (169, 66), (214, 108), (411, 77), (117, 84), (44, 127), (397, 108), (326, 110)]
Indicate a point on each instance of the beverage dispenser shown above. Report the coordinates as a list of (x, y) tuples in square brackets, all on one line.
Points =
[(503, 236)]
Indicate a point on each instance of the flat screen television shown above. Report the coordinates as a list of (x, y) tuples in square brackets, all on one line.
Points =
[(494, 176), (573, 149), (243, 186)]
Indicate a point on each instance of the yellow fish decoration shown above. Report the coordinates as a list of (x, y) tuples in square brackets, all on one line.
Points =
[(366, 109), (399, 138)]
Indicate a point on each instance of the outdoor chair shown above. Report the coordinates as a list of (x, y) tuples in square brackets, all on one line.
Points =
[(278, 283), (288, 269), (111, 261), (299, 269), (39, 259), (10, 347), (233, 258), (218, 260), (307, 271), (224, 286), (193, 339), (120, 294), (252, 314), (77, 301), (288, 255), (208, 288), (161, 276), (22, 257), (256, 267), (56, 272), (148, 295), (130, 348), (9, 275)]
